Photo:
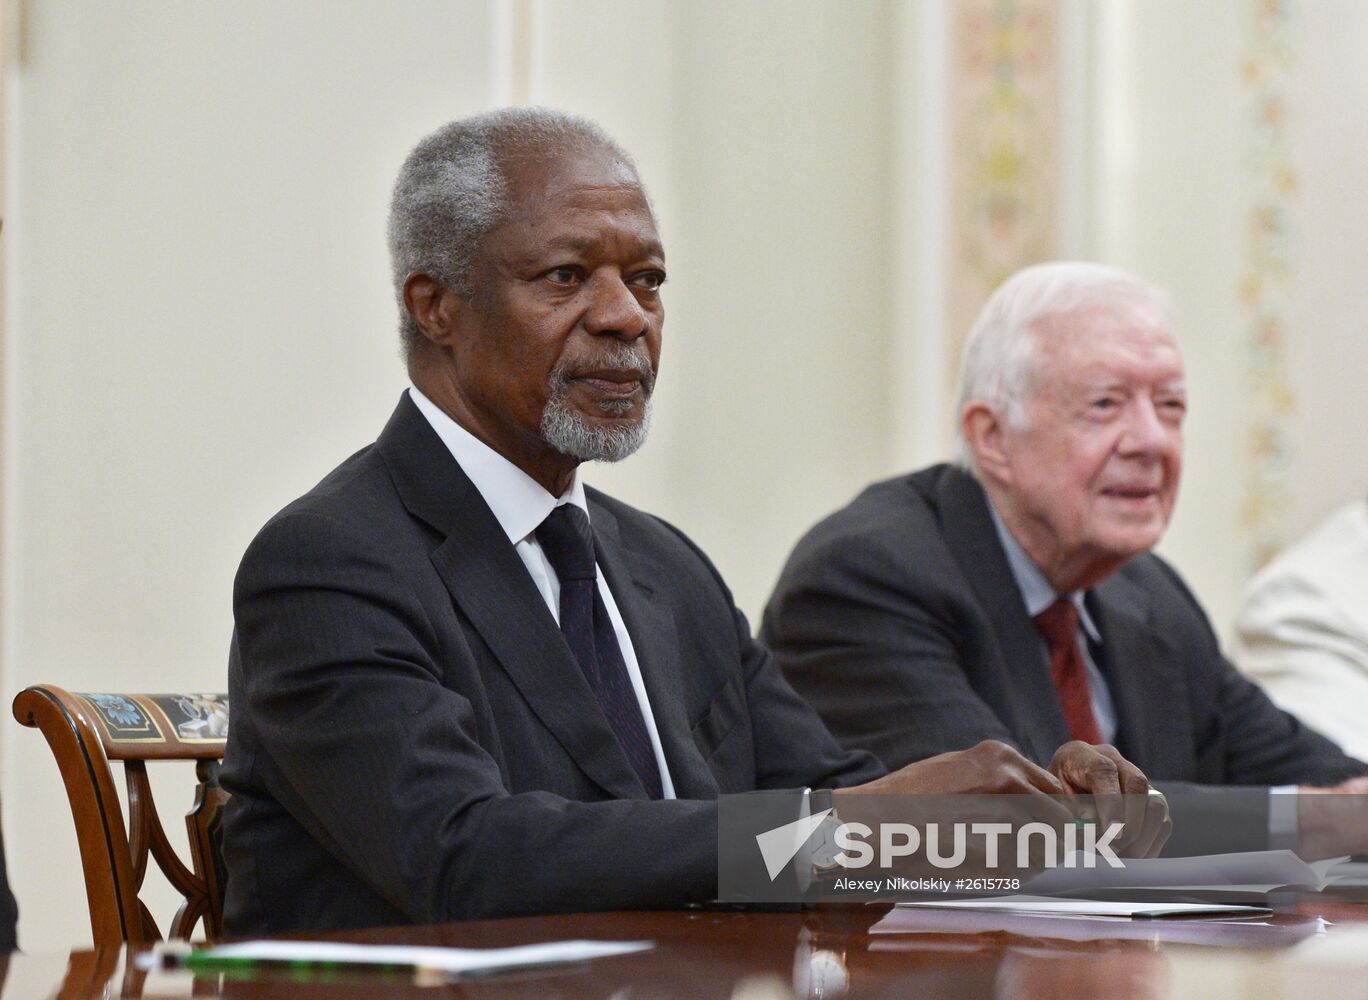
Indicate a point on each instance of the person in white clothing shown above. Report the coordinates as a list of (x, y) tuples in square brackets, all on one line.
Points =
[(1303, 628)]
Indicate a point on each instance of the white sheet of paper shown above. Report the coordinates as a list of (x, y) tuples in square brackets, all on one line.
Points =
[(910, 929), (452, 960), (1271, 868), (1082, 907)]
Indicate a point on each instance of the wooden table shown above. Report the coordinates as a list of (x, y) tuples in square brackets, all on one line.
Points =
[(826, 952)]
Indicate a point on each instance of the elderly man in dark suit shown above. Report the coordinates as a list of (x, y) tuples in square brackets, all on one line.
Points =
[(1013, 595), (463, 684)]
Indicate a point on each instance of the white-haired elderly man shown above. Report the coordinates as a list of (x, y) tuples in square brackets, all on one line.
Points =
[(465, 685), (1013, 595)]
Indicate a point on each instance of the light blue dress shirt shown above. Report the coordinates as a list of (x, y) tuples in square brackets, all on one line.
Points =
[(1038, 595)]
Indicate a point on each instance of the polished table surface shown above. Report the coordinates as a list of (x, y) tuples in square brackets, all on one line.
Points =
[(825, 952)]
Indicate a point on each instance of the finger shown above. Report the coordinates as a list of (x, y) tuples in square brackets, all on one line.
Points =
[(1012, 772), (1085, 769), (1036, 810), (1153, 830), (1056, 810), (1036, 778), (1135, 788), (1040, 853), (1157, 826)]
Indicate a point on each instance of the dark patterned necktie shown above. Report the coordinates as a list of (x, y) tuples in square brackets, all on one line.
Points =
[(1059, 624), (567, 538)]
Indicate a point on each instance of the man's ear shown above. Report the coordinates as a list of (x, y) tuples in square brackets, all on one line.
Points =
[(433, 307), (985, 432)]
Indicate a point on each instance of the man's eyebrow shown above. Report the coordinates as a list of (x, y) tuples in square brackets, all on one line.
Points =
[(1113, 385), (580, 243), (572, 242), (1103, 385)]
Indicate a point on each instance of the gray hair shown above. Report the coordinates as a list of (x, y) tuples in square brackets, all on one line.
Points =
[(1002, 351), (452, 190)]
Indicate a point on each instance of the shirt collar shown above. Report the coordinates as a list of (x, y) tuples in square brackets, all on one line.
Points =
[(520, 503), (1036, 591)]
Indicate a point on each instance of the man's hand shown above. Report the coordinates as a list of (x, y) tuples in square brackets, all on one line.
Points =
[(1353, 786), (991, 768), (1121, 793), (1120, 790), (1333, 821)]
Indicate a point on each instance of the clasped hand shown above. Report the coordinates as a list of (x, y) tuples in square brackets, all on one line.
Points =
[(1083, 784)]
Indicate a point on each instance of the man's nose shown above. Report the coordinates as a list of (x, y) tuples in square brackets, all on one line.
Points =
[(614, 310), (1145, 432)]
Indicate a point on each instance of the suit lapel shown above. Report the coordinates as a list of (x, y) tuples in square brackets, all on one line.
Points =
[(1021, 690), (1147, 688), (656, 643), (490, 584)]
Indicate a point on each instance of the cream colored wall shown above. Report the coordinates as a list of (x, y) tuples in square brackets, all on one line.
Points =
[(1175, 182), (1328, 348), (1167, 200), (772, 410)]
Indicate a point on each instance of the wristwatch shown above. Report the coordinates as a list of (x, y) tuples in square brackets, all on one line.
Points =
[(824, 846)]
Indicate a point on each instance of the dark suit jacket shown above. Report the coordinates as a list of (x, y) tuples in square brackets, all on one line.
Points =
[(899, 619), (412, 739)]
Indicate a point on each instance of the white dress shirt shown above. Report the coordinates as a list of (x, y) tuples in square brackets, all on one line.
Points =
[(520, 505)]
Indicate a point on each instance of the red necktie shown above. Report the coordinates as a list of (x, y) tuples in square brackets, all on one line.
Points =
[(1059, 625)]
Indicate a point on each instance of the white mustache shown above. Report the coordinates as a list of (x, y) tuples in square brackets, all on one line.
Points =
[(619, 358)]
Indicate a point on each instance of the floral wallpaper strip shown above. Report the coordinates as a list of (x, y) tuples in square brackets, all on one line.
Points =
[(1003, 121), (1269, 270)]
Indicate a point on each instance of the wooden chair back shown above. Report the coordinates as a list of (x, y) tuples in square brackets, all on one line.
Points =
[(86, 732)]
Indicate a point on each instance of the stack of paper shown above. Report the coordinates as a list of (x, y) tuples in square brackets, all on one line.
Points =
[(932, 923), (1048, 906), (1249, 872)]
